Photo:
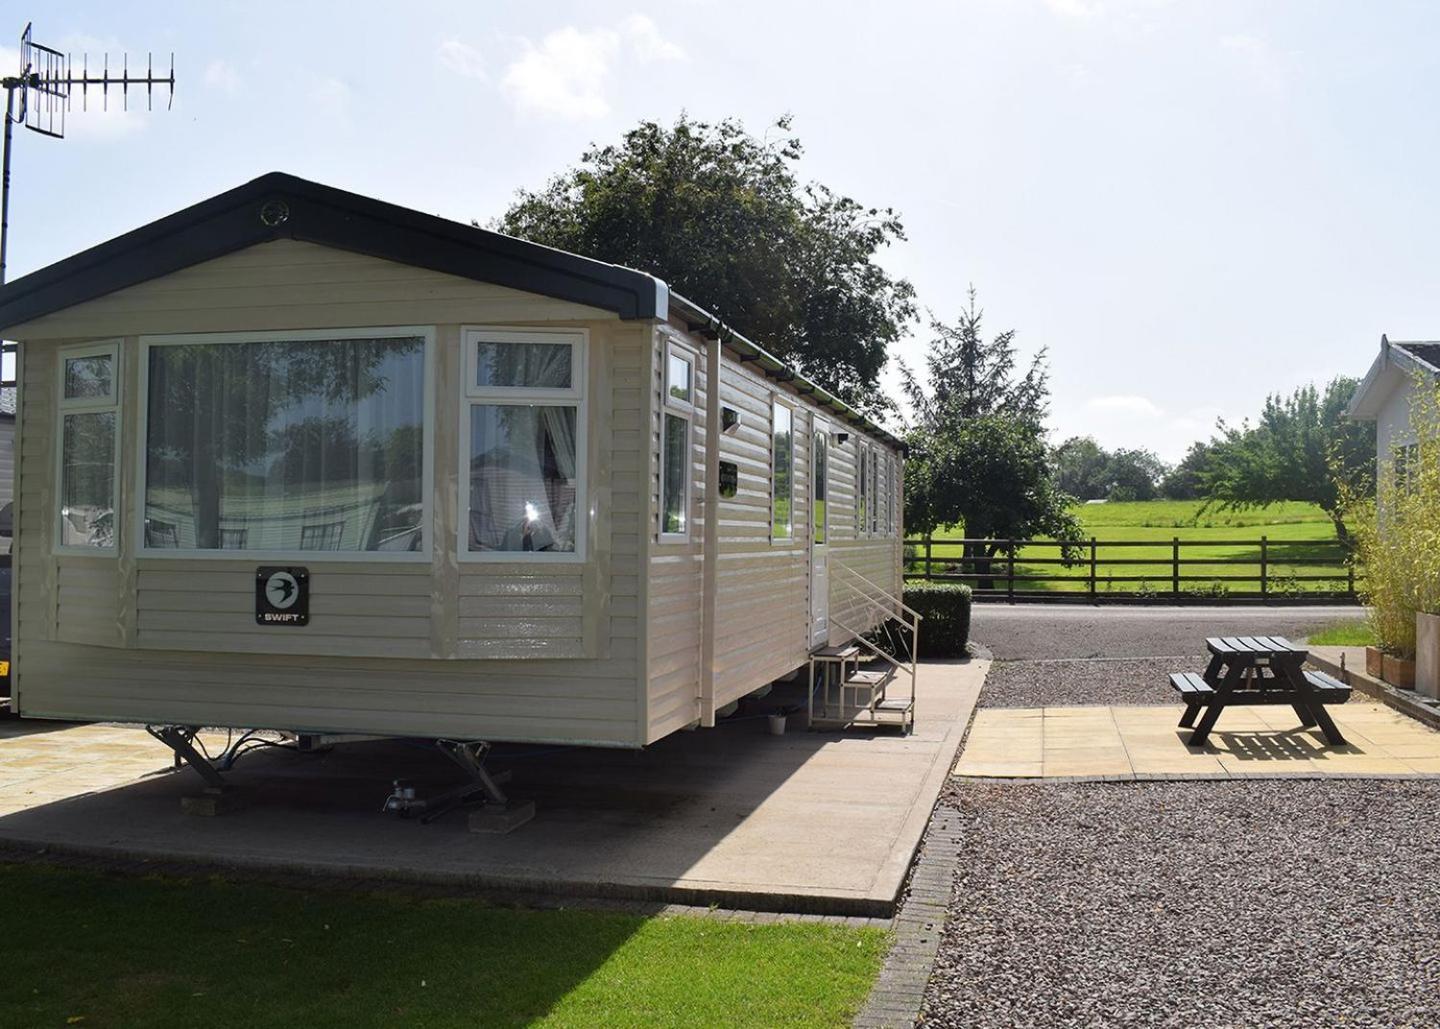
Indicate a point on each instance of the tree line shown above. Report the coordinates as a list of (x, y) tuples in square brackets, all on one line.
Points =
[(724, 218)]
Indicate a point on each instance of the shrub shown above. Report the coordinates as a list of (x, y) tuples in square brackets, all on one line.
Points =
[(1397, 542), (945, 610)]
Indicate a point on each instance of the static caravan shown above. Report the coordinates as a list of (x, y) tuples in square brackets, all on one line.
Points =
[(297, 459)]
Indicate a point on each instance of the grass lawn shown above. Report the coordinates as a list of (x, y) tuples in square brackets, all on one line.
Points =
[(101, 950), (1230, 547), (1344, 634)]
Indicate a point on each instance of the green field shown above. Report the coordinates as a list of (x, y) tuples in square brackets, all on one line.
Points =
[(1221, 550), (104, 950)]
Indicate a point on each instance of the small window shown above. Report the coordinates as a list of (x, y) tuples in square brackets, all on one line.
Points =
[(820, 482), (322, 537), (89, 424), (782, 466), (507, 365), (675, 476), (679, 378), (862, 488), (875, 492), (90, 377)]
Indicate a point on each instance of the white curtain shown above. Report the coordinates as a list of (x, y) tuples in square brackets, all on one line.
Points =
[(523, 477)]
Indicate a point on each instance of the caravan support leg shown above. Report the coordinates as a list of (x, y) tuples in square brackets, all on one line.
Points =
[(217, 798), (496, 813)]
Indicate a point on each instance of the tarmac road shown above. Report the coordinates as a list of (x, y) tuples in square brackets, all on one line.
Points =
[(1021, 632)]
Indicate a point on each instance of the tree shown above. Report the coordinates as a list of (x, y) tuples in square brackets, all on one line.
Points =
[(1086, 470), (723, 219), (1134, 475), (978, 452), (1183, 482), (1302, 448)]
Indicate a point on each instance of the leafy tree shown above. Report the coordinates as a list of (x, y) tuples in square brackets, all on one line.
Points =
[(1134, 475), (723, 219), (1085, 469), (1302, 448), (1183, 482), (978, 453)]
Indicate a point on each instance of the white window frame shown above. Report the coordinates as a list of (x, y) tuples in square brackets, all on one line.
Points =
[(777, 401), (674, 407), (87, 405), (427, 485), (575, 396)]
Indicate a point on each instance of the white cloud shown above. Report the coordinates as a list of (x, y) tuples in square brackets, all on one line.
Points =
[(462, 59), (568, 73), (647, 43), (221, 75), (565, 76), (1133, 406)]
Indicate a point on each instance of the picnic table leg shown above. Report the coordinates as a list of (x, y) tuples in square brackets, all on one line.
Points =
[(1306, 718), (1217, 704), (1187, 720), (1310, 701)]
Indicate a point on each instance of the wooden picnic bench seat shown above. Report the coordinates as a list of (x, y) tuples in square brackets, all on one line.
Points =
[(1192, 686), (1331, 689)]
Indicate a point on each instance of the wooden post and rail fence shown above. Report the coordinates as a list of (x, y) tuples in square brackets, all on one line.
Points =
[(1260, 570)]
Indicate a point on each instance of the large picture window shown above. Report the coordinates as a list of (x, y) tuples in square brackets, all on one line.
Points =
[(89, 425), (524, 435), (288, 443), (782, 473)]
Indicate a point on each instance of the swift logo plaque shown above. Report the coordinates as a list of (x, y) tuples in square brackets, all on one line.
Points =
[(282, 595)]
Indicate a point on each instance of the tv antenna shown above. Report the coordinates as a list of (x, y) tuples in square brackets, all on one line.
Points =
[(45, 90)]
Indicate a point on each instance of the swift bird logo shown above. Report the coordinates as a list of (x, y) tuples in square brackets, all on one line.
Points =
[(282, 590)]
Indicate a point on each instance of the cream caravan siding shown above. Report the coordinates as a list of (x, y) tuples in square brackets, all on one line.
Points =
[(288, 284), (762, 604), (876, 557), (425, 648), (674, 620), (763, 587)]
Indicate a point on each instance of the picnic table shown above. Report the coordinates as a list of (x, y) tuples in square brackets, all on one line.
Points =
[(1257, 670)]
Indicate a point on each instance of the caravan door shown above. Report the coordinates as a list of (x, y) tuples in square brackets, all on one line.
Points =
[(819, 533)]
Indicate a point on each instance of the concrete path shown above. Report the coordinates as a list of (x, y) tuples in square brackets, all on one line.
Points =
[(1145, 743), (810, 822), (1028, 632)]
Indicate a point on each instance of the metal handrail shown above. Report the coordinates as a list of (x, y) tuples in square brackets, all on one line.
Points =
[(842, 566)]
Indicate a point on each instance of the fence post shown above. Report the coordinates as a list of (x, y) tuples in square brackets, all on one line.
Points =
[(1264, 566), (1175, 567), (1350, 577), (1092, 568), (928, 558), (1010, 581)]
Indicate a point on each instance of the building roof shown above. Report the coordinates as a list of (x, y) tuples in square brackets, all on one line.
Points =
[(281, 206), (1397, 361), (1424, 352)]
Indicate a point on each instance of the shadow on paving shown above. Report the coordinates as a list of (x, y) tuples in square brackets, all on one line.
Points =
[(731, 816)]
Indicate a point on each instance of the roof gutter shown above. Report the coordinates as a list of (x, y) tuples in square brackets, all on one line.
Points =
[(708, 325)]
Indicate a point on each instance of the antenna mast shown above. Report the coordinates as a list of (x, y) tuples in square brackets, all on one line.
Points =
[(44, 90)]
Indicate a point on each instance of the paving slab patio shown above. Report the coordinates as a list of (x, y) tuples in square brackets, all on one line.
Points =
[(818, 822), (1146, 742)]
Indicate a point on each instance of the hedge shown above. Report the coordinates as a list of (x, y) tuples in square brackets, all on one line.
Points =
[(945, 609)]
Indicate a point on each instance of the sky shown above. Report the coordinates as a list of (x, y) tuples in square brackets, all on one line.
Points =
[(1187, 205)]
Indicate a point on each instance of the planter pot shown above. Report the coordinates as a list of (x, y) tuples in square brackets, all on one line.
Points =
[(1400, 672), (1374, 663), (1427, 654), (777, 725)]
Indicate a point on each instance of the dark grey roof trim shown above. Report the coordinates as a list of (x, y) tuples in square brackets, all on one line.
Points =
[(1424, 351), (280, 206)]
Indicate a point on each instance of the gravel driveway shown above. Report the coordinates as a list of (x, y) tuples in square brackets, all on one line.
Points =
[(1058, 683), (1193, 904)]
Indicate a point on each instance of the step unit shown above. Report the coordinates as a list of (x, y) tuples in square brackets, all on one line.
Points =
[(847, 690)]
